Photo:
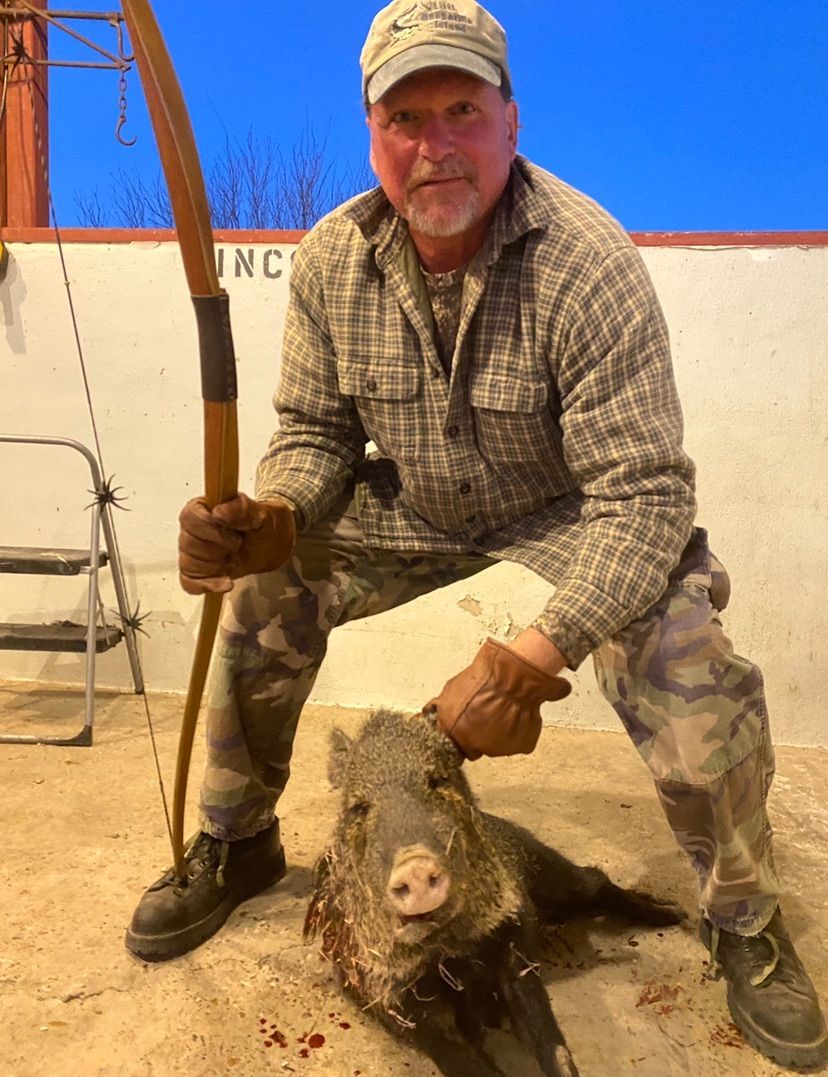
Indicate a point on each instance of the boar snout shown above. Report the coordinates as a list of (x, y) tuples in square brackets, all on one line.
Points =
[(418, 883)]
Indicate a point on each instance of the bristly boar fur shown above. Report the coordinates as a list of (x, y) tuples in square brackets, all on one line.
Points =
[(349, 909), (411, 837)]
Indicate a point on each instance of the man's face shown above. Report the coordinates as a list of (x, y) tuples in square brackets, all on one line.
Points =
[(441, 146)]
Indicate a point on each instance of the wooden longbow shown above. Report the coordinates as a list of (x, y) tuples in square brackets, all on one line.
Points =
[(182, 171)]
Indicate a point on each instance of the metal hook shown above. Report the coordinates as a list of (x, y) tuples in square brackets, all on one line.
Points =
[(122, 108), (118, 23), (124, 141)]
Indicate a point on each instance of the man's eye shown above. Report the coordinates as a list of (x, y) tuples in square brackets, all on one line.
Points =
[(403, 116), (464, 108)]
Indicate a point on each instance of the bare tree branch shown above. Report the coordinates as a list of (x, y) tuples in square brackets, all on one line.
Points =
[(249, 185), (90, 211)]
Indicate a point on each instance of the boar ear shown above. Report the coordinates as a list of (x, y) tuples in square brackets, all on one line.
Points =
[(340, 748), (429, 714)]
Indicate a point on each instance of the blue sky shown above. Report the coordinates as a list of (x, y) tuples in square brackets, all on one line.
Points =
[(675, 115)]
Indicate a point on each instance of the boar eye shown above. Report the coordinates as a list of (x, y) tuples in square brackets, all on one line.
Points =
[(358, 810), (438, 781)]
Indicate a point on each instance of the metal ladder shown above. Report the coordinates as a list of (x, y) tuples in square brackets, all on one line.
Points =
[(90, 638)]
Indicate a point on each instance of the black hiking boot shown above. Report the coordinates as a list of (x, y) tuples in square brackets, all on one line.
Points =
[(771, 997), (172, 919)]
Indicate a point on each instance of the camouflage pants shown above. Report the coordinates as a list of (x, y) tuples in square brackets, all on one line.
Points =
[(694, 710)]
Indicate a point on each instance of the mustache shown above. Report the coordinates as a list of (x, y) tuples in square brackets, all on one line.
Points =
[(428, 173)]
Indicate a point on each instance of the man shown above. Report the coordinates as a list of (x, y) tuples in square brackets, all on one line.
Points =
[(495, 334)]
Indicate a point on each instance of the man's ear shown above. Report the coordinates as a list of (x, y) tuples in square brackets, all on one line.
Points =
[(372, 160), (512, 124), (339, 748)]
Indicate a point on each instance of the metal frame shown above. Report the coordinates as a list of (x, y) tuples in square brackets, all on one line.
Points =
[(100, 520), (26, 12)]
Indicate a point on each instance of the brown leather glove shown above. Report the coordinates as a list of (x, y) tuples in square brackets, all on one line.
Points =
[(236, 538), (493, 707)]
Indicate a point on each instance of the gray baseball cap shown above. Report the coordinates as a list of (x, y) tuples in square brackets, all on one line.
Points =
[(410, 35)]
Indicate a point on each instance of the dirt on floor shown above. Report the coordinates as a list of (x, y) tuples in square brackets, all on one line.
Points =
[(84, 834)]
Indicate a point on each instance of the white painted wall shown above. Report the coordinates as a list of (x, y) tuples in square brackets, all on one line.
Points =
[(749, 328)]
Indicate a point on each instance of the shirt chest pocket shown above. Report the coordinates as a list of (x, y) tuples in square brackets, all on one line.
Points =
[(388, 397), (513, 421)]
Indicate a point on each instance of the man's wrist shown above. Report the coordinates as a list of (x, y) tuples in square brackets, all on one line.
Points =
[(279, 500), (539, 650)]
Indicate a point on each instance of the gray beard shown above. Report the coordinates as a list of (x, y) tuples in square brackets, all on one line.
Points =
[(442, 223)]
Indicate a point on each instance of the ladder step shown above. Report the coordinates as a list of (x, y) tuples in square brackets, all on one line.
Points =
[(46, 561), (60, 636)]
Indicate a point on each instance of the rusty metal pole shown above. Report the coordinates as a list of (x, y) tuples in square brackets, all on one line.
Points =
[(24, 137)]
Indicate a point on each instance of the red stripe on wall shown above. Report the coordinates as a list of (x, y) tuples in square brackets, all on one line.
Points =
[(730, 239), (642, 239), (140, 235)]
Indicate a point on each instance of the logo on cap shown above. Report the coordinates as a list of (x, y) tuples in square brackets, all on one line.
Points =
[(405, 25), (429, 14)]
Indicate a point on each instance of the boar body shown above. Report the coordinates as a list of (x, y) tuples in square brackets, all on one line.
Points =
[(430, 909)]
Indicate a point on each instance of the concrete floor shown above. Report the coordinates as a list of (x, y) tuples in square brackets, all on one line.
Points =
[(84, 834)]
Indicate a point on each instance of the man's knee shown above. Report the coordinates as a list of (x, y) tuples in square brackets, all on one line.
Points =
[(692, 706), (293, 608)]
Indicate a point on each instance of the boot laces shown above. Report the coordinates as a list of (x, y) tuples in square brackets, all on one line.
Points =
[(202, 848)]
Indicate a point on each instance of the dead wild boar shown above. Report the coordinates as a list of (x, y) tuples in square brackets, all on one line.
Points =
[(429, 908)]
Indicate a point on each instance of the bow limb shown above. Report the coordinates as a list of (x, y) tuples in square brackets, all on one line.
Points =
[(182, 171)]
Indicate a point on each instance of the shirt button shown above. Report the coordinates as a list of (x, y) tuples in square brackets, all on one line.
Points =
[(471, 519), (453, 431), (435, 373), (465, 488), (371, 385)]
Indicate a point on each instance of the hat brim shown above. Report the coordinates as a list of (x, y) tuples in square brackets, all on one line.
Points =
[(423, 56)]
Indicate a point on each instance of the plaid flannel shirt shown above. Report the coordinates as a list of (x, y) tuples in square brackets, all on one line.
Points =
[(555, 442)]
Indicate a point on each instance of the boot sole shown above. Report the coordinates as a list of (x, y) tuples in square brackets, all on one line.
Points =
[(802, 1057), (177, 943)]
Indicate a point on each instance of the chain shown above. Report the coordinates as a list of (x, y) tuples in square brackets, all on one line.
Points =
[(122, 109)]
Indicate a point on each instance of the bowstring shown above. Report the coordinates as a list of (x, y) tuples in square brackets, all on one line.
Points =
[(21, 56)]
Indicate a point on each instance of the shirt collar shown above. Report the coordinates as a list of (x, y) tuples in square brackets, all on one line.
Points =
[(521, 209)]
